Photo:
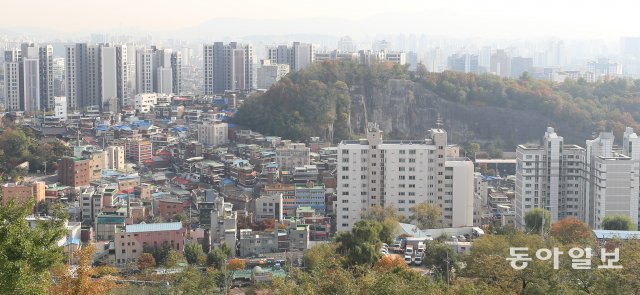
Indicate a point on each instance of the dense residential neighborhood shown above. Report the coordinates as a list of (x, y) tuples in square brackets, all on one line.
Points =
[(168, 158)]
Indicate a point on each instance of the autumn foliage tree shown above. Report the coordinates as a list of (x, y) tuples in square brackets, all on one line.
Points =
[(571, 230), (391, 262), (85, 280), (145, 261), (236, 264)]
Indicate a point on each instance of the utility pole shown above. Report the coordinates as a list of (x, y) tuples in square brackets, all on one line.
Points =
[(225, 276), (447, 252)]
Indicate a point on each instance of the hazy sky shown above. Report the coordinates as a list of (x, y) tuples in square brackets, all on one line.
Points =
[(584, 19)]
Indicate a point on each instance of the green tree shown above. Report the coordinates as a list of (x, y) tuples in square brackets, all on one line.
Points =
[(193, 281), (173, 258), (617, 222), (28, 254), (194, 254), (216, 256), (425, 215), (322, 256), (533, 220), (361, 245), (441, 259)]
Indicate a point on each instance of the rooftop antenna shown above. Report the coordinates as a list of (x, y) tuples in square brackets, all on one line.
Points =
[(439, 122)]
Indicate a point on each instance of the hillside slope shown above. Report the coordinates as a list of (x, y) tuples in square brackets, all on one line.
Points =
[(329, 100)]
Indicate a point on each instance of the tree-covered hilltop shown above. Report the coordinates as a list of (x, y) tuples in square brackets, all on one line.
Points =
[(578, 106), (315, 101), (333, 100)]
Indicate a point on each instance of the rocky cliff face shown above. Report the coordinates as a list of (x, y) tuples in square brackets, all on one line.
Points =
[(404, 109)]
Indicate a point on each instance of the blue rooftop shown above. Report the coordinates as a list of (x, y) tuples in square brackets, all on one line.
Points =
[(150, 227), (619, 234)]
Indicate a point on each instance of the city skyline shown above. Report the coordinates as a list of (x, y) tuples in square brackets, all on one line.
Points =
[(489, 19)]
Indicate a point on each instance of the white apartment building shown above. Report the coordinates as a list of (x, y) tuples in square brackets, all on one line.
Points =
[(224, 225), (213, 134), (31, 79), (615, 188), (269, 207), (569, 181), (45, 56), (76, 77), (631, 148), (292, 155), (402, 173), (229, 66), (114, 158), (12, 71), (145, 64), (550, 176), (269, 74), (60, 107), (458, 191), (143, 102)]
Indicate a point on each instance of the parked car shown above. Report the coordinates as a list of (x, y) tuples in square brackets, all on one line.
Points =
[(407, 259), (417, 260), (408, 250)]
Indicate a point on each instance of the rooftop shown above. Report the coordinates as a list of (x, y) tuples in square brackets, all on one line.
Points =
[(151, 227), (620, 234)]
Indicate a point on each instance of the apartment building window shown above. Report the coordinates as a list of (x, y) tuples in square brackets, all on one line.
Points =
[(346, 177), (345, 193), (412, 193), (400, 209), (345, 201), (400, 168), (345, 185), (412, 152), (401, 185), (401, 194), (345, 209), (400, 201), (345, 225), (412, 201), (412, 186), (401, 177), (401, 160), (402, 152), (412, 177)]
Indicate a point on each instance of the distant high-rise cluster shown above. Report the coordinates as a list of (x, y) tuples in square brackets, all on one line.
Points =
[(158, 70), (97, 76), (229, 67), (28, 84)]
